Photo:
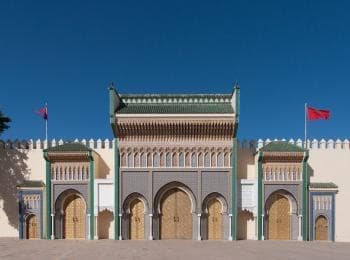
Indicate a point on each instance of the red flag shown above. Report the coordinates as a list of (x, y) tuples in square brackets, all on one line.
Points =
[(315, 114), (43, 112)]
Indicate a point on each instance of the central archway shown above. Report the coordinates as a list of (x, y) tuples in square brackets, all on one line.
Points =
[(176, 215), (74, 217)]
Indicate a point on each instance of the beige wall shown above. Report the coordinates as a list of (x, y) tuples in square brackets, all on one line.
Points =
[(333, 165)]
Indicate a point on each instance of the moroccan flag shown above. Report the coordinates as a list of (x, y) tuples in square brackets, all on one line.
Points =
[(315, 114), (43, 112)]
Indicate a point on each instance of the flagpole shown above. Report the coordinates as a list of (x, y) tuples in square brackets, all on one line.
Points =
[(46, 125), (305, 130)]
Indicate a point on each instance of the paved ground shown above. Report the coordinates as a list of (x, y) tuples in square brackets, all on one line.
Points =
[(171, 249)]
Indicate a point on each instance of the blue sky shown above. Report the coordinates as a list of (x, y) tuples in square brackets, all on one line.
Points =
[(282, 53)]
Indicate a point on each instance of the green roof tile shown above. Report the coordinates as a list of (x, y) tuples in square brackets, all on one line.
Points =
[(69, 147), (281, 146), (176, 109), (31, 184), (323, 185)]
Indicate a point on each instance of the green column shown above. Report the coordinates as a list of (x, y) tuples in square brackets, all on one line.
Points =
[(259, 196), (116, 189), (92, 178), (48, 197), (234, 189), (305, 198)]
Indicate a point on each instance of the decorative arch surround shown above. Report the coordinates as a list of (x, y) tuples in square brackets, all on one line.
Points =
[(281, 210), (173, 185), (214, 208)]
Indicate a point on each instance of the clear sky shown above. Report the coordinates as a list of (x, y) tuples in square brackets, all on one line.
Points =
[(282, 53)]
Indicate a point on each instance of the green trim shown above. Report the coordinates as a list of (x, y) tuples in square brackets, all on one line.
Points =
[(92, 178), (116, 189), (234, 190), (48, 197), (237, 92), (112, 108), (260, 195), (305, 197)]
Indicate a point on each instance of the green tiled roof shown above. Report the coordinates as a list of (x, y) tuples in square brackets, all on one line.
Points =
[(176, 103), (31, 184), (323, 185), (68, 147), (281, 146)]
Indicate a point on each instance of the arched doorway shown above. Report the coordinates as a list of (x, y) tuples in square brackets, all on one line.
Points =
[(32, 227), (74, 217), (321, 228), (176, 216), (137, 219), (214, 219), (278, 225)]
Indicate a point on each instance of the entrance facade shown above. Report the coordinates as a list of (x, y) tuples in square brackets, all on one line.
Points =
[(74, 217), (32, 225), (279, 218), (321, 228), (176, 217), (214, 219), (137, 219)]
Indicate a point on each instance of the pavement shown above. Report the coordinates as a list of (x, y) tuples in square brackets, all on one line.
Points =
[(11, 248)]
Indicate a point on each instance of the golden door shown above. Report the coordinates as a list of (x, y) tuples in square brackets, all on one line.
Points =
[(32, 227), (214, 219), (321, 228), (279, 218), (137, 220), (74, 218), (176, 218)]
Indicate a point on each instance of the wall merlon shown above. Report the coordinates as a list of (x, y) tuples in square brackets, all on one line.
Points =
[(43, 144)]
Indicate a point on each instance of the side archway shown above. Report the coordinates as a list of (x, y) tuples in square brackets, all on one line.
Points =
[(70, 217), (321, 228), (279, 208), (213, 208), (32, 227), (135, 207)]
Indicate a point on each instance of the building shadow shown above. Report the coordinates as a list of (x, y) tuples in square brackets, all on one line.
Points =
[(13, 170)]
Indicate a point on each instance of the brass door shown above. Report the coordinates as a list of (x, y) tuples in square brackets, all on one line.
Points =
[(74, 218), (321, 228), (137, 220), (279, 218), (32, 227), (176, 218), (214, 219)]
